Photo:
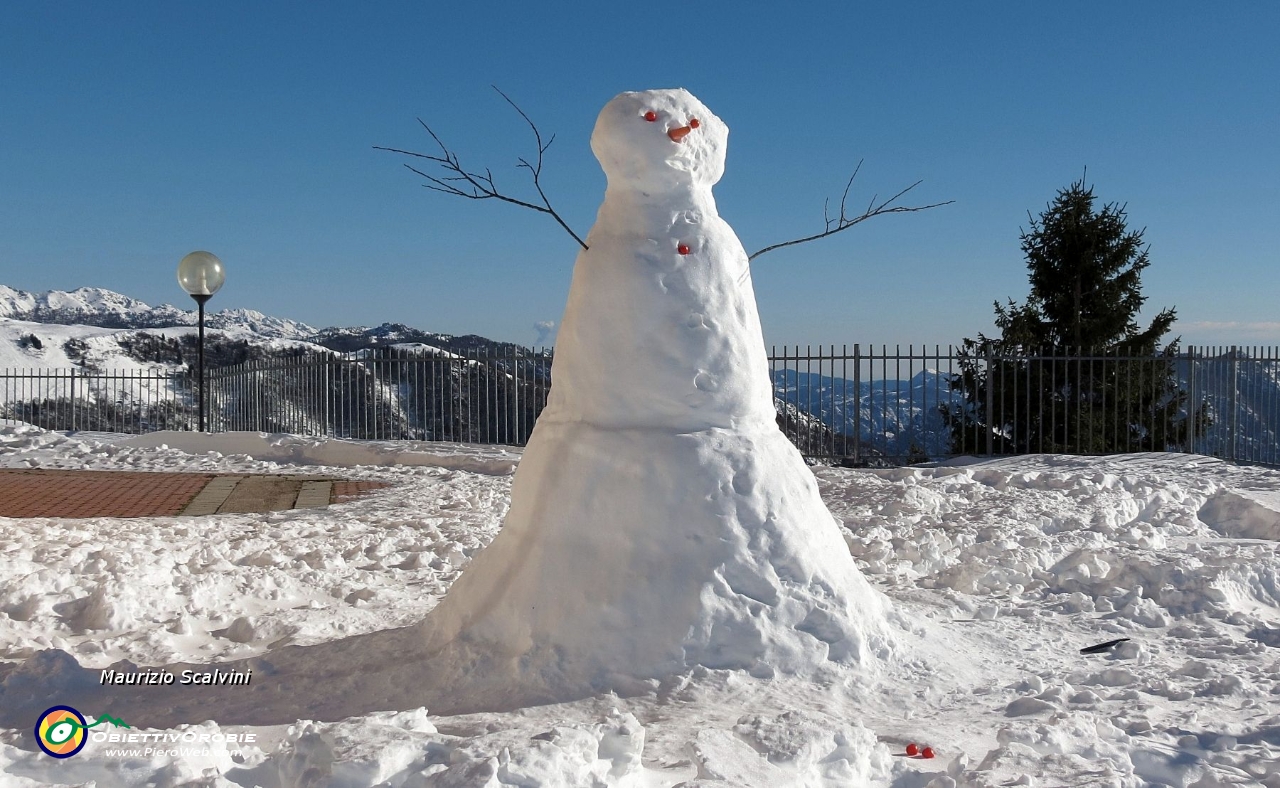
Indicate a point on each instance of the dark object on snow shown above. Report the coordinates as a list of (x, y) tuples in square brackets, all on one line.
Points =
[(1101, 647)]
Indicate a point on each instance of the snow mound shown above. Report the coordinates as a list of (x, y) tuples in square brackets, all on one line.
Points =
[(405, 748), (792, 748), (1244, 515), (1095, 542)]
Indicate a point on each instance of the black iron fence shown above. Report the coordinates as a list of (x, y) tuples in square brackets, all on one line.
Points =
[(895, 405), (131, 401), (485, 396), (852, 403)]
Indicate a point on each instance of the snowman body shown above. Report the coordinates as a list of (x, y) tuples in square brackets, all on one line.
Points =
[(659, 518)]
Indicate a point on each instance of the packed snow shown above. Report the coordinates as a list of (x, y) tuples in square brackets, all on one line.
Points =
[(1004, 569)]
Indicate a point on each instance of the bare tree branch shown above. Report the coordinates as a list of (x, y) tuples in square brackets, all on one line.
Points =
[(844, 221), (474, 185)]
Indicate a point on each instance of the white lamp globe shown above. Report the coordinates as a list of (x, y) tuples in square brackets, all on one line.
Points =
[(201, 274)]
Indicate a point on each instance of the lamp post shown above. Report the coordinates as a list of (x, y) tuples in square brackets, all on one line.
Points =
[(201, 274)]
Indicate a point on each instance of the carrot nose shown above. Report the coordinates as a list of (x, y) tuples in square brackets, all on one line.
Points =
[(678, 134)]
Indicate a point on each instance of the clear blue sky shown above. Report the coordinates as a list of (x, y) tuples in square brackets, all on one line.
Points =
[(132, 133)]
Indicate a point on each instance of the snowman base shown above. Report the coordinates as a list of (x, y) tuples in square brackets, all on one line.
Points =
[(645, 553)]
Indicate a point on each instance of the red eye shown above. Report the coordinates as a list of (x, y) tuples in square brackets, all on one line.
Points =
[(693, 123), (651, 116)]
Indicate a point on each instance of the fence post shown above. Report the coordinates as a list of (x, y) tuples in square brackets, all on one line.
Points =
[(73, 399), (257, 398), (325, 362), (1235, 401), (857, 404), (990, 405), (1191, 400)]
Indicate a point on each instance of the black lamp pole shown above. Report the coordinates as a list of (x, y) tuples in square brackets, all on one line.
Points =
[(201, 274), (200, 299)]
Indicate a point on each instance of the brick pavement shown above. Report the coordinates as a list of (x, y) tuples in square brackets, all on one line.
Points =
[(72, 494), (345, 490)]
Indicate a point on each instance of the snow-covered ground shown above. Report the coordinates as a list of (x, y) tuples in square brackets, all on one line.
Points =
[(1002, 571)]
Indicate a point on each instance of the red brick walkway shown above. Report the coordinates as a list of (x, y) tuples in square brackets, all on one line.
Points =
[(57, 493), (345, 491), (46, 493)]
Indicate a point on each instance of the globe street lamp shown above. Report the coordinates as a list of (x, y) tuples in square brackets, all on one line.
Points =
[(201, 274)]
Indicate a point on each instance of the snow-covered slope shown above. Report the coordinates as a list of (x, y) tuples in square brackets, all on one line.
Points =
[(48, 346)]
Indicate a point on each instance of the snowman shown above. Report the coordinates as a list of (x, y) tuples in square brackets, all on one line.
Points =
[(659, 519)]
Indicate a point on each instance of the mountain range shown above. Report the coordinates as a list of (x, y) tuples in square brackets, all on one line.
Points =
[(101, 308)]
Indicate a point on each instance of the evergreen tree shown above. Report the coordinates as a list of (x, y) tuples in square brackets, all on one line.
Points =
[(1072, 370)]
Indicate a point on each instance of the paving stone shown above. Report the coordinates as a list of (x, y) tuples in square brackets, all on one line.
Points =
[(212, 497), (314, 495), (261, 494)]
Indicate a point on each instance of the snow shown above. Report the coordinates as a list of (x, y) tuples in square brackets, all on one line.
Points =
[(1001, 570)]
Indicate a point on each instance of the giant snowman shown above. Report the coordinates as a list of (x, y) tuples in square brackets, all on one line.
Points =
[(659, 519)]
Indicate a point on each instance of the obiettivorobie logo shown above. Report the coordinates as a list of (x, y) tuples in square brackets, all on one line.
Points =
[(62, 731)]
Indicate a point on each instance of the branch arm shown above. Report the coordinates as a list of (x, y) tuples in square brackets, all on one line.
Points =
[(847, 223), (482, 186)]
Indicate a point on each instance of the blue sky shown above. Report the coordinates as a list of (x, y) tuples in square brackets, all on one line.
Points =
[(133, 133)]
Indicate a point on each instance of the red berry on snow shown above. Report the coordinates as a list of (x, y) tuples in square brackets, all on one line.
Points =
[(928, 752), (693, 123), (651, 116), (912, 749), (682, 249)]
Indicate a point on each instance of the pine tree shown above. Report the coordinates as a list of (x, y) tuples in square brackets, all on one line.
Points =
[(1072, 370)]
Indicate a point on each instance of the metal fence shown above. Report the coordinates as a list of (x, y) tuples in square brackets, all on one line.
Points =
[(886, 404), (133, 401), (858, 404), (485, 396)]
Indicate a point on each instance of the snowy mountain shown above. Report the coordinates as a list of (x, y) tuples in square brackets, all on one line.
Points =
[(390, 380), (355, 338), (898, 418), (94, 306)]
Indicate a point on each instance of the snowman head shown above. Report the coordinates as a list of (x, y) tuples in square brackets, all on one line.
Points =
[(659, 140)]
